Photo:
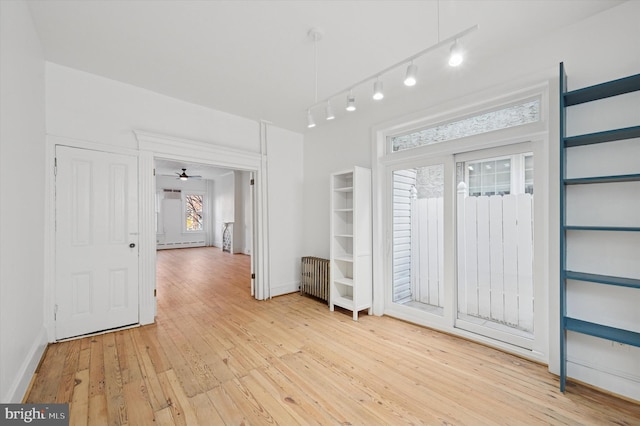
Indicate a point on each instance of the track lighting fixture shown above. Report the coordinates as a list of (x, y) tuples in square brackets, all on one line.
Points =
[(310, 122), (411, 76), (329, 112), (378, 93), (456, 55), (351, 102)]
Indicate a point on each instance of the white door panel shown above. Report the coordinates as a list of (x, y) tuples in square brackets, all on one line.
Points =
[(96, 241)]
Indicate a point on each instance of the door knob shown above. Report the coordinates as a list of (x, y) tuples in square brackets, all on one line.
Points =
[(132, 245)]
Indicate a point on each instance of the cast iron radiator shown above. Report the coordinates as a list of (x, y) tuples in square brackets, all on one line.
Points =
[(315, 277)]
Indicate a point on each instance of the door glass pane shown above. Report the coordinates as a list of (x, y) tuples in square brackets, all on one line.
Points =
[(495, 244), (418, 226)]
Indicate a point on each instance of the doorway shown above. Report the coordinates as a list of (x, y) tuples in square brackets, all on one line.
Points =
[(204, 205)]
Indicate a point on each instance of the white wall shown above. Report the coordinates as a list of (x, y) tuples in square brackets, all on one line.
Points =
[(22, 153), (601, 48), (91, 108), (285, 200)]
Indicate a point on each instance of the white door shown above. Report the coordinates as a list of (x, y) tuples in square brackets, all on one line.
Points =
[(96, 241)]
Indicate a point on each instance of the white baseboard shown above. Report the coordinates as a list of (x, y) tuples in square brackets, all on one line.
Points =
[(621, 383), (23, 376), (280, 289), (174, 245)]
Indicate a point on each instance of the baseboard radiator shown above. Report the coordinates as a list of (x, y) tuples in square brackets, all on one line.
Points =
[(315, 277)]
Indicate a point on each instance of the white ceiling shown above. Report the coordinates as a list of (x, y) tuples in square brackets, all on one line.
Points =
[(254, 59)]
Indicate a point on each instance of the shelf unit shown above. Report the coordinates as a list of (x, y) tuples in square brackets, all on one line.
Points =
[(569, 99), (351, 249)]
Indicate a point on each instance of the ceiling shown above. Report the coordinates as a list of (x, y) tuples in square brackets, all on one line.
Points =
[(254, 59)]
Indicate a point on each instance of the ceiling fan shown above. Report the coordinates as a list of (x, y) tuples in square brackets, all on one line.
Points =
[(184, 176)]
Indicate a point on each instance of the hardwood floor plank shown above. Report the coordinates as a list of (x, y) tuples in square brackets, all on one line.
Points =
[(217, 356), (116, 403), (149, 375), (79, 407), (204, 410), (294, 396), (164, 417), (68, 376), (226, 407), (96, 367), (98, 415), (177, 412), (245, 401), (47, 380), (139, 411)]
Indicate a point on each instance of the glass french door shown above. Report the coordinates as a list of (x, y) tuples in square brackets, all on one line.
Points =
[(461, 244), (418, 239), (494, 244)]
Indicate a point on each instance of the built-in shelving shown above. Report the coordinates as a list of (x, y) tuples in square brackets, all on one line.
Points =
[(568, 99), (351, 250)]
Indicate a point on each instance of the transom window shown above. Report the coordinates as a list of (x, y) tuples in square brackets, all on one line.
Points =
[(503, 118)]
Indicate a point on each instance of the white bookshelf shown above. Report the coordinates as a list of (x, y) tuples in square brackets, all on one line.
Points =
[(351, 262)]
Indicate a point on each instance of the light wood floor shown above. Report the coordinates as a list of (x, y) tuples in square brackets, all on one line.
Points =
[(216, 356)]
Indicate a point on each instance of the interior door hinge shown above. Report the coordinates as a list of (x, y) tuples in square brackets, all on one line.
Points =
[(155, 292), (154, 172), (55, 312), (55, 167), (253, 181), (253, 276)]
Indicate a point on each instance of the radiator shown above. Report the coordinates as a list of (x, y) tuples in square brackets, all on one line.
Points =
[(314, 279)]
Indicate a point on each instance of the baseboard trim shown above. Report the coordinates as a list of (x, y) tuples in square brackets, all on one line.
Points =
[(25, 374), (281, 289)]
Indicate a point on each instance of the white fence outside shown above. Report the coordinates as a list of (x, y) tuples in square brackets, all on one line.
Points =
[(495, 258), (494, 253), (427, 251)]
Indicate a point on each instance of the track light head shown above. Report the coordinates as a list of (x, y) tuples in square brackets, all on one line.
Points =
[(456, 55), (351, 102), (378, 93), (329, 112), (411, 77), (310, 122)]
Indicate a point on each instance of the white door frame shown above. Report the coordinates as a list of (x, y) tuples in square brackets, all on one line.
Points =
[(153, 146)]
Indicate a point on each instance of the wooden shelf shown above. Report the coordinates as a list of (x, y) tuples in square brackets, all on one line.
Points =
[(602, 228), (601, 137), (602, 179), (344, 235), (626, 337), (344, 258), (603, 90), (603, 279), (344, 281), (345, 189)]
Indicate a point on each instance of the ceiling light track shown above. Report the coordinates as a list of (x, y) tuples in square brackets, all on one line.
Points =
[(453, 42)]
